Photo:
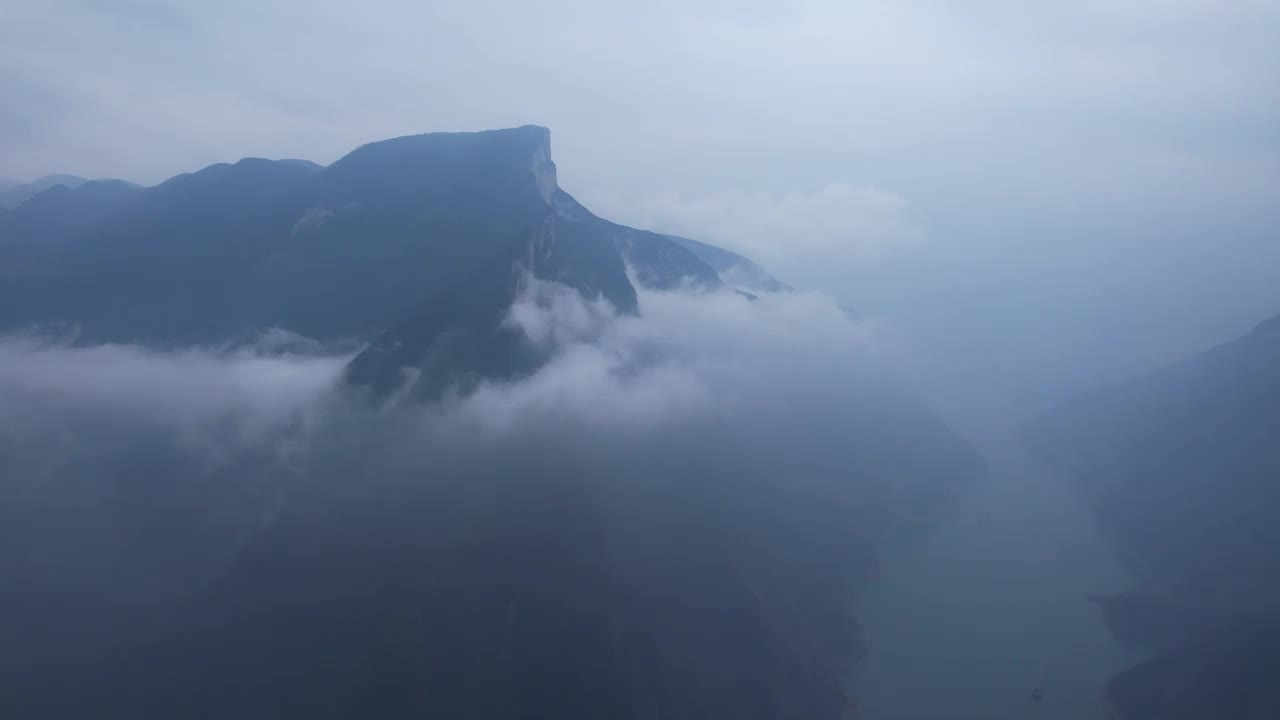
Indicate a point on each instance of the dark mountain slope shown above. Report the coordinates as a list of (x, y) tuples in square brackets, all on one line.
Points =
[(459, 334), (469, 598), (1182, 469), (61, 208), (347, 250), (549, 580), (395, 222), (39, 229), (165, 266)]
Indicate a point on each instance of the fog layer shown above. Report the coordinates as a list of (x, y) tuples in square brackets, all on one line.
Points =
[(711, 442)]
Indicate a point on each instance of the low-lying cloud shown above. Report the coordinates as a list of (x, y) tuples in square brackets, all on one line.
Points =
[(212, 401), (685, 356), (838, 224), (711, 431), (687, 361)]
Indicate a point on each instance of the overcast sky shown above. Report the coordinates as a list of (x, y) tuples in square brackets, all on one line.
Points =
[(925, 159)]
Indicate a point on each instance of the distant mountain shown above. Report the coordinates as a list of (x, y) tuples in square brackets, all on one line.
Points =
[(1182, 468), (62, 208), (171, 258), (312, 166), (18, 193)]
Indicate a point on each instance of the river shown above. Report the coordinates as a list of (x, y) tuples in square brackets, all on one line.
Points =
[(966, 619)]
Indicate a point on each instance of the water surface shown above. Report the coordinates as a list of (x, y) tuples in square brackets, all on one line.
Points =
[(966, 619)]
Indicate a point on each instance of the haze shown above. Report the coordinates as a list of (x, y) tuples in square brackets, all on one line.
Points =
[(1038, 173), (1003, 203)]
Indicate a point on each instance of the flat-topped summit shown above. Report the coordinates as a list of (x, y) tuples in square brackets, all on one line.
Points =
[(367, 247), (514, 160)]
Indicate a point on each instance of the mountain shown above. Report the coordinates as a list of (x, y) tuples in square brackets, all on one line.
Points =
[(571, 247), (1180, 467), (62, 208), (385, 558), (734, 269), (547, 580), (306, 164), (344, 251), (12, 196), (171, 259)]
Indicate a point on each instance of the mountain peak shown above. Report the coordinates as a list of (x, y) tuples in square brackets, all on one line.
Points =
[(373, 244), (510, 161)]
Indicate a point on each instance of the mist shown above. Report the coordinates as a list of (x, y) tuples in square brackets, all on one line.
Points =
[(137, 476), (173, 465), (1006, 223)]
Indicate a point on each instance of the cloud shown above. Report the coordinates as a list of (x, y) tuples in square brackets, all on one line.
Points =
[(839, 223), (70, 413), (708, 434), (73, 416), (685, 356), (687, 361), (211, 402)]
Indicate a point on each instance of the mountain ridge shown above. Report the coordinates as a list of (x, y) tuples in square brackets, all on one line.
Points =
[(19, 192), (235, 247), (612, 557)]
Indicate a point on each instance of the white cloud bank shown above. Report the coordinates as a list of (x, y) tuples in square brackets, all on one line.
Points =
[(687, 361), (709, 432), (686, 356), (839, 224)]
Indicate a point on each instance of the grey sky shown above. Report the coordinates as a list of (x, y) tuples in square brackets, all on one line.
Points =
[(924, 160), (700, 96)]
